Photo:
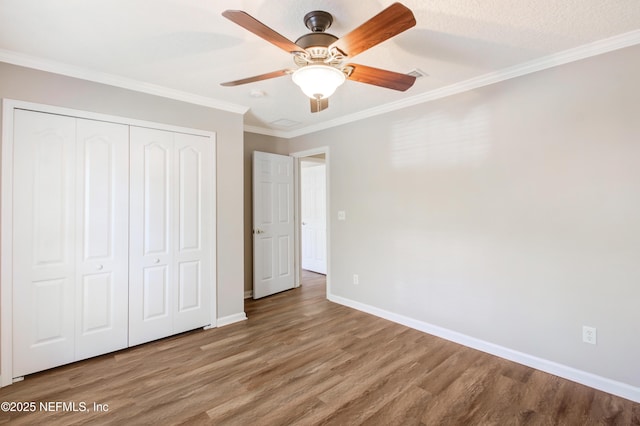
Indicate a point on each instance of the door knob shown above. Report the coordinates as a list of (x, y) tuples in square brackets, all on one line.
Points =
[(99, 267), (156, 260), (259, 231)]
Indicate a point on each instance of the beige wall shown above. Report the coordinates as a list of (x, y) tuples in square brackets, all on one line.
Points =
[(510, 213), (254, 142), (41, 87)]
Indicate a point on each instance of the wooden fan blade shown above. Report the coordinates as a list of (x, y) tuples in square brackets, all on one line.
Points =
[(318, 105), (250, 23), (260, 77), (379, 77), (386, 24)]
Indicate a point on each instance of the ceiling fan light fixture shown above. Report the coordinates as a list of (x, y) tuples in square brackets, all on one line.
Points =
[(318, 81)]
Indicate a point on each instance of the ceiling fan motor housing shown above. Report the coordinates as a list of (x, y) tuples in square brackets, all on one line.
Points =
[(316, 40), (315, 43), (316, 49)]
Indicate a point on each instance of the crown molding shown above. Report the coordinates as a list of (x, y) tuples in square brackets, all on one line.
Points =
[(27, 61), (571, 55)]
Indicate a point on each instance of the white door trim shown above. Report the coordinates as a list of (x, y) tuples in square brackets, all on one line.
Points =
[(296, 170), (6, 213), (6, 247)]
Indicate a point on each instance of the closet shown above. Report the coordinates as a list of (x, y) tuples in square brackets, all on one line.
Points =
[(113, 237), (169, 246)]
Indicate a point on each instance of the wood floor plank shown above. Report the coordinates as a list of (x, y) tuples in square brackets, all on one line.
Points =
[(302, 360)]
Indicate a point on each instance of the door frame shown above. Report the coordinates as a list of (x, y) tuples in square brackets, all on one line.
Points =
[(299, 156), (6, 213)]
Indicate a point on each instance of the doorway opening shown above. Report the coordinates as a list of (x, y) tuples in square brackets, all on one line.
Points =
[(312, 207), (313, 215)]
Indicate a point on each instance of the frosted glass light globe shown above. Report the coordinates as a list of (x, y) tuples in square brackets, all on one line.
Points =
[(318, 81)]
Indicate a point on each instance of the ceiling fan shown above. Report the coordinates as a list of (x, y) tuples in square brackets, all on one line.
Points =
[(320, 55)]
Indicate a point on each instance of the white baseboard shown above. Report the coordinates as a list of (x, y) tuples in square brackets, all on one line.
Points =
[(248, 294), (230, 319), (604, 384)]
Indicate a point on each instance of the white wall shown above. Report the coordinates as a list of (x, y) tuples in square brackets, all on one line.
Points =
[(510, 214), (41, 87)]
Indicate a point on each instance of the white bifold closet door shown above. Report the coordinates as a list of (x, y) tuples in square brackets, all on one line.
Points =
[(70, 239), (170, 224)]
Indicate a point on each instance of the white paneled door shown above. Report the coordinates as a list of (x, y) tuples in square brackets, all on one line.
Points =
[(44, 256), (193, 171), (273, 224), (313, 217), (70, 239), (171, 216), (102, 243), (108, 236)]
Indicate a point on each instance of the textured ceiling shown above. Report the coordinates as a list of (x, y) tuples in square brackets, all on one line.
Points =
[(188, 47)]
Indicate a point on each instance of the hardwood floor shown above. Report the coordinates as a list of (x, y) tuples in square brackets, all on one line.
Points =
[(302, 360)]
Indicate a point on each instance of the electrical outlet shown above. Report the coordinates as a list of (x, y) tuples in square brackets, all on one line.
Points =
[(356, 279), (589, 335)]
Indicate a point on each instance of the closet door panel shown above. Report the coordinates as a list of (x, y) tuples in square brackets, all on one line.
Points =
[(156, 197), (44, 241), (103, 237), (155, 293), (150, 236), (194, 175)]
